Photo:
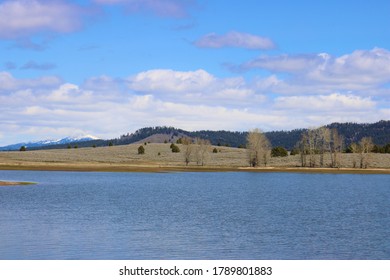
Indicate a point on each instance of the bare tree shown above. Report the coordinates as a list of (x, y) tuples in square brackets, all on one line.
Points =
[(258, 148), (323, 141), (366, 146), (316, 143), (303, 149), (188, 148), (355, 148), (336, 145), (308, 146), (201, 150)]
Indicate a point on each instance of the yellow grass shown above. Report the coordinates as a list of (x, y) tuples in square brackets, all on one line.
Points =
[(126, 158)]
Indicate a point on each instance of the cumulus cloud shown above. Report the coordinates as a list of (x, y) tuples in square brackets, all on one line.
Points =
[(108, 107), (10, 83), (22, 18), (164, 8), (166, 80), (285, 63), (235, 39), (369, 67), (362, 69), (194, 86), (333, 102)]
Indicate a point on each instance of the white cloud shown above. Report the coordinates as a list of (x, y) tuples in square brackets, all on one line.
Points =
[(330, 103), (21, 18), (165, 80), (8, 82), (285, 63), (359, 67), (235, 39), (197, 87), (107, 107), (358, 71)]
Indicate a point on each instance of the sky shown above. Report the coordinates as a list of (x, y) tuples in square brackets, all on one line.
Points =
[(109, 67)]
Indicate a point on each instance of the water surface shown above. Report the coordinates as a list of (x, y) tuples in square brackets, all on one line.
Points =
[(233, 215)]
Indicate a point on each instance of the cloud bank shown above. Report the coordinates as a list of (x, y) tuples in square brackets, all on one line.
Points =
[(358, 70), (109, 106)]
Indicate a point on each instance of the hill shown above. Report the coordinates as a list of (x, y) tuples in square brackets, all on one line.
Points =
[(352, 132)]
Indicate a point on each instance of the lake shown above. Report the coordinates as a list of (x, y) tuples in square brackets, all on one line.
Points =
[(226, 215)]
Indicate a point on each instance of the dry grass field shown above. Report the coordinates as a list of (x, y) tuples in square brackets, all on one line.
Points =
[(159, 157)]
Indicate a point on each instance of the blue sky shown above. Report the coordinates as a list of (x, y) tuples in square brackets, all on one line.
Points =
[(108, 67)]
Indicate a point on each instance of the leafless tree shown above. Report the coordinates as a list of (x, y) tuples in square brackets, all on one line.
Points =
[(308, 146), (188, 148), (323, 141), (202, 147), (303, 149), (366, 146), (336, 145), (316, 143), (258, 148), (355, 148)]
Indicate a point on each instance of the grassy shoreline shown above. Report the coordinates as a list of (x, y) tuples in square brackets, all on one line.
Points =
[(11, 183), (162, 169), (159, 158)]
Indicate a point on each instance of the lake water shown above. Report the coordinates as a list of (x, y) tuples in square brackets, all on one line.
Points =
[(93, 215)]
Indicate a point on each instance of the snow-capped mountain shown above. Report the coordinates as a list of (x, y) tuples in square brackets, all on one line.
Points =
[(42, 143)]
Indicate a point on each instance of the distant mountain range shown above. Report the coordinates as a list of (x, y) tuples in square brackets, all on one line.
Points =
[(46, 143), (352, 132)]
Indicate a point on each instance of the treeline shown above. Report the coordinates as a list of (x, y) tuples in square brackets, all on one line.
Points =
[(317, 147), (352, 133), (381, 149)]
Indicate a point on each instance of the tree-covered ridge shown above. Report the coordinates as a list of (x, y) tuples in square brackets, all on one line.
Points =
[(352, 133)]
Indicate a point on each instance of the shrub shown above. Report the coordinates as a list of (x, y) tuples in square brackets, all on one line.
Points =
[(141, 150), (279, 152), (215, 150), (110, 144), (294, 152), (23, 149), (175, 149)]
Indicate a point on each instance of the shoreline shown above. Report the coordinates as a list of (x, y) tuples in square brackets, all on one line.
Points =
[(8, 183), (85, 167)]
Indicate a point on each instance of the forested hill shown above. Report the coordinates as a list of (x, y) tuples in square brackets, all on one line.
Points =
[(352, 132)]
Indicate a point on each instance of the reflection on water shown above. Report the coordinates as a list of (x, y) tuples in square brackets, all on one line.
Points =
[(92, 215)]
